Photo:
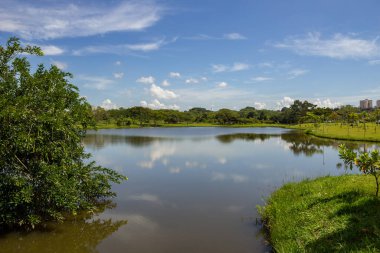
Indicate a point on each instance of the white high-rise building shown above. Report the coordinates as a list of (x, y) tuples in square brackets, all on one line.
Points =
[(366, 104)]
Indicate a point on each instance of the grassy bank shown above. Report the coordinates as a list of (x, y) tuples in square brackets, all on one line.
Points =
[(371, 131), (328, 214)]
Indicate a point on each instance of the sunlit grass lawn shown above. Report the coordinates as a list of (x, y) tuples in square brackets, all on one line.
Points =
[(371, 132), (329, 214)]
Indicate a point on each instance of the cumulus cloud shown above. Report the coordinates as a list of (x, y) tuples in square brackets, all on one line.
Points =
[(118, 75), (259, 105), (222, 84), (174, 75), (95, 82), (296, 73), (339, 46), (60, 65), (326, 103), (146, 80), (234, 36), (285, 102), (156, 104), (108, 105), (161, 93), (261, 79), (118, 63), (191, 81), (165, 83), (59, 19), (237, 66)]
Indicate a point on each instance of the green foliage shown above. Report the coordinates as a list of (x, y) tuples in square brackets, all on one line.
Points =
[(367, 162), (44, 173)]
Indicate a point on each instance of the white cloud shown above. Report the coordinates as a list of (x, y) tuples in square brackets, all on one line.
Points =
[(60, 65), (191, 81), (261, 79), (234, 36), (326, 103), (237, 66), (122, 48), (222, 84), (107, 104), (174, 75), (118, 75), (118, 63), (265, 65), (51, 50), (161, 93), (203, 78), (145, 47), (156, 104), (94, 82), (285, 102), (259, 105), (58, 20), (338, 46), (146, 80), (296, 73), (219, 68), (374, 62), (165, 83)]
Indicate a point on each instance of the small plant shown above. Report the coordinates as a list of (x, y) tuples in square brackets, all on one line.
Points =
[(367, 162)]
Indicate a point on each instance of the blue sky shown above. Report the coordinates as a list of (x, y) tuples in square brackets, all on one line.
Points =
[(209, 53)]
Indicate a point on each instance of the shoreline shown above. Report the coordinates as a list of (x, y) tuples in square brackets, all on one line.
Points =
[(306, 128)]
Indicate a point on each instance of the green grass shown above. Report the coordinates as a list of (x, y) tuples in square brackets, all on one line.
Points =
[(328, 214), (343, 132)]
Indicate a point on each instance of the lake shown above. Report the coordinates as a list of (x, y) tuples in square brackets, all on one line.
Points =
[(189, 190)]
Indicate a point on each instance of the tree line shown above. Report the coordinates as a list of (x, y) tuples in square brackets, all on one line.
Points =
[(298, 112)]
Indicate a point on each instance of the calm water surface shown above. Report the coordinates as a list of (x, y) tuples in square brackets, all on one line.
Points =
[(189, 189)]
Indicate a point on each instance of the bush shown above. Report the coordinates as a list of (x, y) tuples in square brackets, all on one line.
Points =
[(42, 162)]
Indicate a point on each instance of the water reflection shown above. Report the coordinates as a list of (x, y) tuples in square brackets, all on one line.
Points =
[(189, 189), (81, 234), (297, 142)]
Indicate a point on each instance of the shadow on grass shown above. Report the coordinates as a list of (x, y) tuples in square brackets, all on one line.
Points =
[(360, 234)]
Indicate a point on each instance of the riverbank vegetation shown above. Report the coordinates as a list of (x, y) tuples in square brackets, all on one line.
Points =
[(44, 171), (346, 122), (328, 214)]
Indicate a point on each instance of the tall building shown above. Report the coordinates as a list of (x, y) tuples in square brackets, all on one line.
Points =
[(366, 104), (378, 103)]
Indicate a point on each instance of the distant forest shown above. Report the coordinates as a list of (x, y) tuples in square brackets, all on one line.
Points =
[(298, 112)]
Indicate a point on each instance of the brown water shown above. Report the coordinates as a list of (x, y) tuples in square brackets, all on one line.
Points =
[(189, 190)]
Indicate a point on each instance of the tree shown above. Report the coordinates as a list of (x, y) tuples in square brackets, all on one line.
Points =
[(367, 162), (226, 116), (43, 166)]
